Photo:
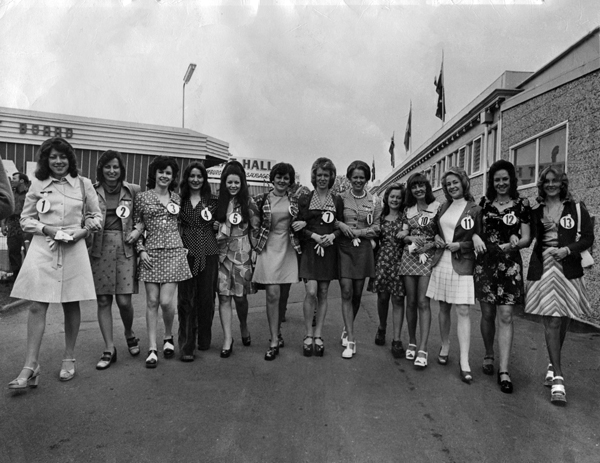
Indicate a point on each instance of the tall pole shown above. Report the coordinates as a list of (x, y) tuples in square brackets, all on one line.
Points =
[(186, 79)]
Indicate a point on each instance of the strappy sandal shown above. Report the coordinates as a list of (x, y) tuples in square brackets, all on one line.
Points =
[(558, 395), (106, 359), (31, 381), (67, 375), (319, 348), (272, 353), (488, 365), (549, 376), (411, 352), (133, 344), (168, 348), (152, 358), (421, 360), (307, 349)]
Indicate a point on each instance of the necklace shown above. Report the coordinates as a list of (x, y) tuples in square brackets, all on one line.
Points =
[(358, 197), (502, 203)]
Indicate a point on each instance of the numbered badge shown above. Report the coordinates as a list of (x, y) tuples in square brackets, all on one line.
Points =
[(423, 221), (510, 219), (123, 211), (370, 218), (206, 214), (43, 205), (567, 222), (467, 223), (235, 218), (327, 217), (173, 208)]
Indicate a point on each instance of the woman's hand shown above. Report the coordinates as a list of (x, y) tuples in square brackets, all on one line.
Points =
[(216, 225), (453, 247), (418, 241), (401, 235), (346, 230), (561, 253), (76, 234), (479, 245), (145, 260), (327, 240), (439, 242), (514, 241), (133, 236), (298, 225), (50, 231), (93, 224)]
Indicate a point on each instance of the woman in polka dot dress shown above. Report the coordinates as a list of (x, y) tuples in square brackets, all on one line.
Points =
[(113, 256), (163, 261)]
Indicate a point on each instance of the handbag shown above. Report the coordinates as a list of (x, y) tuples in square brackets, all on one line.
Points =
[(586, 257)]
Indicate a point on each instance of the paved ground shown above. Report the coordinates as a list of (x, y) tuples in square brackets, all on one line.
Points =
[(295, 409)]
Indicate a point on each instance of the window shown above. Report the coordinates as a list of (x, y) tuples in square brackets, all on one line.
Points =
[(462, 158), (476, 156), (532, 156), (450, 160), (433, 179)]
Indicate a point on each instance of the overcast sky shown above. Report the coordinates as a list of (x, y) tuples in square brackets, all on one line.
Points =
[(277, 80)]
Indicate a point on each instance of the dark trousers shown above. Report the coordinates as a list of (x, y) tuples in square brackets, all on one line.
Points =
[(196, 307), (14, 244)]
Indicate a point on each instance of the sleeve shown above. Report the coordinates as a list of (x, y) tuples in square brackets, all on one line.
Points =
[(135, 190), (7, 200), (138, 218), (92, 206), (525, 212), (254, 222), (467, 246), (375, 228), (587, 233), (339, 214), (29, 217)]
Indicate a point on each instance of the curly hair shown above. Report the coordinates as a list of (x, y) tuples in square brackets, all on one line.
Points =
[(105, 158), (161, 163), (560, 176), (42, 172), (361, 165), (243, 197), (324, 164), (386, 195), (184, 186), (464, 180), (418, 178), (283, 168), (502, 164)]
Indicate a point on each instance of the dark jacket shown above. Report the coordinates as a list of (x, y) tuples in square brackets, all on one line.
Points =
[(566, 237), (463, 261), (314, 218)]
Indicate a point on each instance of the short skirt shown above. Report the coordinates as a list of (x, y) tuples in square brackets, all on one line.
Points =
[(313, 266), (168, 266), (553, 295), (61, 274), (446, 285), (356, 262), (114, 272)]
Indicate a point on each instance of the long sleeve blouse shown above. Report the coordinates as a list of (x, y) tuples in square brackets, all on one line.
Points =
[(362, 215)]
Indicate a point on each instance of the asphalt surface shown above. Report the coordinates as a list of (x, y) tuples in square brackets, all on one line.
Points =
[(372, 408)]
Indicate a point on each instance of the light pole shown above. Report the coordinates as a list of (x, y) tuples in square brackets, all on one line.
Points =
[(186, 79)]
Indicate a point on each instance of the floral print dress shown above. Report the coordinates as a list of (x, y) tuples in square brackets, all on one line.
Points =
[(498, 275), (387, 268)]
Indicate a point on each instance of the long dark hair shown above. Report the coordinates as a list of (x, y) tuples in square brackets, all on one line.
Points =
[(184, 187), (413, 180), (42, 172), (106, 157), (386, 196), (243, 197), (161, 163), (501, 164)]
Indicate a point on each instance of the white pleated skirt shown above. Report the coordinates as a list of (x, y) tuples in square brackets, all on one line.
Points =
[(446, 285)]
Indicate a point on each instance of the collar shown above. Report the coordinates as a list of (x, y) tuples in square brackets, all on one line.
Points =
[(70, 180)]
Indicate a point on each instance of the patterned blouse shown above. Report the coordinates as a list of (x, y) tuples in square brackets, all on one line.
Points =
[(197, 234), (498, 227), (362, 215), (161, 225)]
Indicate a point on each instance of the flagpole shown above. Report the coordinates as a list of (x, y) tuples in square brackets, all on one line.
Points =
[(443, 91)]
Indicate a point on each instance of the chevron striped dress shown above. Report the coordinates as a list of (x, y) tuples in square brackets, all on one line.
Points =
[(553, 295)]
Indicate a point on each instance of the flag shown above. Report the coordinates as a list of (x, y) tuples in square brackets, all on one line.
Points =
[(373, 170), (392, 146), (439, 88), (408, 131)]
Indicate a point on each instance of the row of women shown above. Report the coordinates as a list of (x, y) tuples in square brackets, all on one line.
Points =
[(204, 244)]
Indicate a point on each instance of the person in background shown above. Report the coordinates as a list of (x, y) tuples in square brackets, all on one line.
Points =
[(451, 281), (355, 249), (498, 274), (163, 261), (277, 247), (320, 209), (389, 281), (7, 201), (196, 296), (113, 254), (556, 287), (236, 218), (61, 209), (15, 236), (420, 212)]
